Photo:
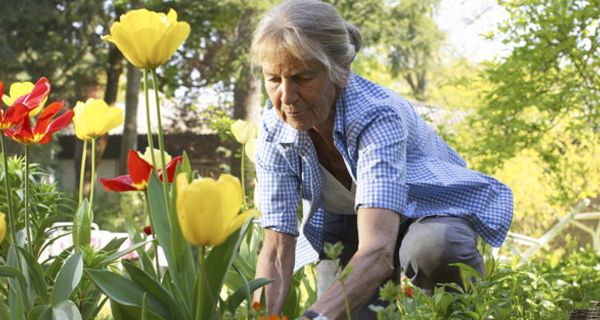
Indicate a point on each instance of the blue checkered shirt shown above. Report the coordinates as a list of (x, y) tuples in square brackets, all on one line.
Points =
[(396, 160)]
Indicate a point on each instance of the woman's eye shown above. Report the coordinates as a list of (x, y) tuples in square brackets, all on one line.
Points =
[(303, 78), (274, 79)]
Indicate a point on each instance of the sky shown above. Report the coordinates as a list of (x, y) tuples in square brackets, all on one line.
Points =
[(464, 22)]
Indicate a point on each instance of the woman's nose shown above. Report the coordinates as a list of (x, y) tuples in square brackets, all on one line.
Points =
[(288, 92)]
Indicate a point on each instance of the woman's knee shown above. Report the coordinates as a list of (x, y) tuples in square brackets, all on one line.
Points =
[(432, 244)]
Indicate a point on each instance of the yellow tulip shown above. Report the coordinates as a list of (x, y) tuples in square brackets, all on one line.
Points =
[(19, 89), (208, 209), (2, 226), (147, 156), (250, 149), (95, 118), (243, 131), (147, 38)]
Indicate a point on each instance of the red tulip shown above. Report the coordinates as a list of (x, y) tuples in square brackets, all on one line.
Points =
[(13, 115), (44, 127), (139, 174), (37, 96)]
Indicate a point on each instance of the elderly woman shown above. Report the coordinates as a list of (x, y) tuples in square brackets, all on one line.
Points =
[(367, 170)]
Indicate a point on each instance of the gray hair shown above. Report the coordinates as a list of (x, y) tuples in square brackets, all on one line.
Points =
[(307, 30)]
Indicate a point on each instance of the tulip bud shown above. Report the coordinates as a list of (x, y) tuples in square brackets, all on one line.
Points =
[(243, 131), (208, 210), (147, 38), (250, 149)]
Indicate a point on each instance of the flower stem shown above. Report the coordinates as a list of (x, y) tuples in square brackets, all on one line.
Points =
[(161, 142), (148, 122), (26, 182), (93, 177), (11, 216), (82, 171), (155, 240), (242, 171), (202, 270)]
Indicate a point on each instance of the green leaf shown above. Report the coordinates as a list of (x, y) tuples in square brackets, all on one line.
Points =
[(43, 312), (37, 275), (16, 293), (82, 225), (3, 310), (124, 291), (113, 245), (145, 306), (160, 219), (153, 287), (234, 300), (12, 272), (55, 266), (177, 251), (67, 279), (185, 165), (182, 251), (66, 310), (218, 262), (113, 257)]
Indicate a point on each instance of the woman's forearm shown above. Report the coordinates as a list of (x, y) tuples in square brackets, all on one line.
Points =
[(276, 262), (369, 270), (371, 265)]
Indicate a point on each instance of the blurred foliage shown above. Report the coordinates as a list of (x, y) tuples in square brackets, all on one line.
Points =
[(551, 75), (543, 289), (113, 209), (404, 33), (47, 204), (58, 39)]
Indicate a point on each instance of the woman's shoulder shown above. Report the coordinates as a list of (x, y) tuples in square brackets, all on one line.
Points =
[(365, 100), (272, 128)]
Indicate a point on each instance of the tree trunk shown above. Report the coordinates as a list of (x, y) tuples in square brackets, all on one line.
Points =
[(129, 137)]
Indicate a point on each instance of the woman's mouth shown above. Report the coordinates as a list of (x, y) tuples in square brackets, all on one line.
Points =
[(295, 114)]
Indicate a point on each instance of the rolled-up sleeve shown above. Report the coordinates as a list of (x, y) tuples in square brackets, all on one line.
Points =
[(381, 166), (278, 188)]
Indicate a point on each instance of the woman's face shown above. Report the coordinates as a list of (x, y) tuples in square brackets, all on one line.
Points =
[(301, 92)]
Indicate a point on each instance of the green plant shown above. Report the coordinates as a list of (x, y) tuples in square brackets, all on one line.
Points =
[(542, 289)]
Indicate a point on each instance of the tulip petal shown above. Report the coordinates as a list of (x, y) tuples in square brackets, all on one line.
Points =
[(35, 98), (22, 133), (56, 125), (118, 184), (250, 149), (243, 131), (139, 169), (172, 40), (46, 117), (237, 222), (231, 188), (194, 225), (113, 118), (171, 167), (2, 226), (126, 44)]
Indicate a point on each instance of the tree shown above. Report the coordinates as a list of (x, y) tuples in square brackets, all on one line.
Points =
[(552, 73), (58, 39), (404, 31)]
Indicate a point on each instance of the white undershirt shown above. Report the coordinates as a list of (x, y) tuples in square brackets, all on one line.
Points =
[(335, 197)]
